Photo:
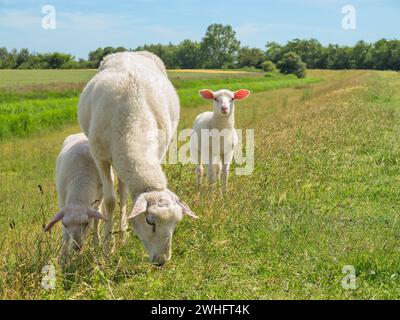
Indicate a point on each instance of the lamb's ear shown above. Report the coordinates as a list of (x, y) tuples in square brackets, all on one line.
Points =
[(94, 214), (207, 94), (241, 94), (58, 217), (139, 207)]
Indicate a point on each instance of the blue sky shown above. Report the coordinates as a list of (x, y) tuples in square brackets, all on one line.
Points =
[(84, 25)]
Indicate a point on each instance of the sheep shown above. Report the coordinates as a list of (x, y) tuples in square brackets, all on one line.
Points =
[(222, 123), (130, 111), (80, 194)]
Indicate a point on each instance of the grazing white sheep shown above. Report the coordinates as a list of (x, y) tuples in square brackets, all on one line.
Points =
[(79, 192), (129, 111), (219, 123)]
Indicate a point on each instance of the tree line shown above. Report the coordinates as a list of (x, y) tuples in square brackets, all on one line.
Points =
[(220, 49)]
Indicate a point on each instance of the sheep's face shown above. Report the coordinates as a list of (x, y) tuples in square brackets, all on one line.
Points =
[(224, 100), (154, 218), (76, 221)]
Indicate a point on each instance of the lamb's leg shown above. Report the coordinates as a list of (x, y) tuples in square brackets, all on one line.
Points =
[(199, 174), (225, 171), (109, 198), (225, 177), (123, 198), (213, 172)]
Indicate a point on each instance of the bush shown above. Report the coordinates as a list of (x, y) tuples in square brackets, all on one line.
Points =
[(291, 63), (268, 66)]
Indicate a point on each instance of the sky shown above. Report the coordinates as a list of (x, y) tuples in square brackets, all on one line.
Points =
[(83, 25)]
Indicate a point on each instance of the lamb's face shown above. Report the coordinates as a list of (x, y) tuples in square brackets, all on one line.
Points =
[(224, 100), (75, 221), (224, 103), (154, 218), (75, 226)]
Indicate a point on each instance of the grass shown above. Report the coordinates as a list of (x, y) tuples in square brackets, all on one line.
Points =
[(36, 107), (10, 78), (324, 194)]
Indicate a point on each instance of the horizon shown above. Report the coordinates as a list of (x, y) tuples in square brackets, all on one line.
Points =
[(90, 25)]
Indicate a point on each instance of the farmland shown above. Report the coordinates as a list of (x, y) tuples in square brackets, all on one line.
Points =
[(33, 106), (323, 195)]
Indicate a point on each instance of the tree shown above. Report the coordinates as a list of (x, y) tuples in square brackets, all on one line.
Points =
[(96, 56), (274, 52), (338, 57), (250, 57), (57, 60), (188, 55), (219, 46), (359, 55), (291, 63), (22, 57), (268, 66)]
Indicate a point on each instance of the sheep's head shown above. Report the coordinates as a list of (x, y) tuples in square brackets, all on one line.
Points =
[(75, 221), (224, 100), (154, 218)]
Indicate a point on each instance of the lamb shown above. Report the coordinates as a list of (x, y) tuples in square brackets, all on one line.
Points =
[(220, 123), (79, 192), (129, 111)]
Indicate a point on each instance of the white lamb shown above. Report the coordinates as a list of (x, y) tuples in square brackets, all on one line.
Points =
[(129, 111), (79, 192), (217, 154)]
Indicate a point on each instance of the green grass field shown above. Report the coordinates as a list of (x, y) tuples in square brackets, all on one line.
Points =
[(324, 195), (33, 107)]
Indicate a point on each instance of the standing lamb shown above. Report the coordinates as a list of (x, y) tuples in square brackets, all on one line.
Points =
[(221, 124), (79, 192), (129, 111)]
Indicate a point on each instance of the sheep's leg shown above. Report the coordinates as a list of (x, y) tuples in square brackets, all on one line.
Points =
[(123, 199), (109, 198), (96, 223)]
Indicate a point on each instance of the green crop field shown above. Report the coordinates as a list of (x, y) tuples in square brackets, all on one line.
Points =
[(33, 107), (323, 195)]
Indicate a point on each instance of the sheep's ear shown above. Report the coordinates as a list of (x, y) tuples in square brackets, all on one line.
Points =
[(207, 94), (187, 210), (139, 207), (58, 217), (94, 214), (183, 205), (241, 94)]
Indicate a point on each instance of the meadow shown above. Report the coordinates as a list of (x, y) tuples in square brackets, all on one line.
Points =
[(32, 106), (323, 195)]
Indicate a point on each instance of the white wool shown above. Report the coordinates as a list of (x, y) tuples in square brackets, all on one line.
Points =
[(130, 111), (216, 160), (77, 179), (122, 109), (79, 190)]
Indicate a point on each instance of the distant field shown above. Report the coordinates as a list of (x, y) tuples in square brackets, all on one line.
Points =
[(324, 195), (46, 99), (22, 77)]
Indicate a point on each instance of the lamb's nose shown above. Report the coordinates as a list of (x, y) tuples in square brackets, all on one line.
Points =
[(224, 109)]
